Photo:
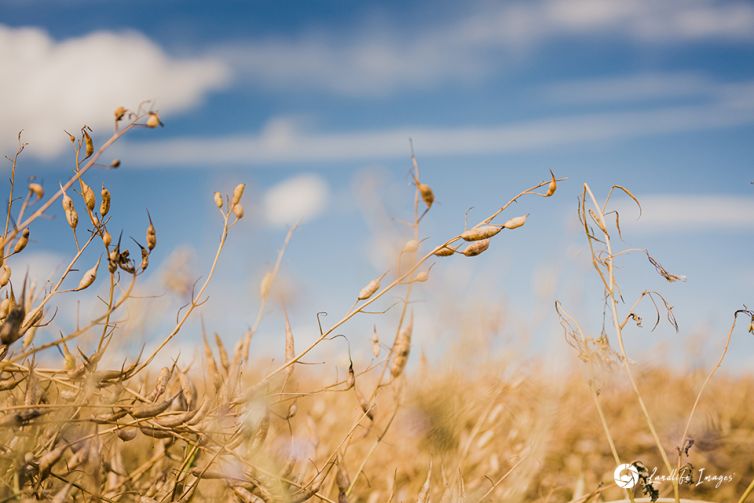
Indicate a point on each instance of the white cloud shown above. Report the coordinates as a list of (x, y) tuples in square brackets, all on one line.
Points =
[(50, 85), (285, 141), (296, 199), (377, 59), (703, 212)]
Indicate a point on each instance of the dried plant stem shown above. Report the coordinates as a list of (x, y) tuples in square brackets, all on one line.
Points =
[(613, 303)]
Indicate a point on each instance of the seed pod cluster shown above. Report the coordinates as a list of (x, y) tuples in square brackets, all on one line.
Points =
[(235, 202)]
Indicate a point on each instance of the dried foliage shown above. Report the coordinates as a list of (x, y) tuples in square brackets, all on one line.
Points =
[(230, 428)]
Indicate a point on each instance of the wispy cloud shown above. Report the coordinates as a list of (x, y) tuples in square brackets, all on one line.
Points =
[(632, 88), (297, 199), (378, 59), (50, 85), (285, 141), (700, 213)]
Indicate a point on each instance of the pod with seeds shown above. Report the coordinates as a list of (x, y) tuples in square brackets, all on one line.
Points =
[(152, 409), (104, 205), (515, 222), (119, 113), (402, 348), (153, 120), (161, 383), (188, 389), (482, 232), (422, 276), (237, 194), (5, 306), (71, 216), (370, 288), (37, 190), (238, 211), (88, 143), (10, 330), (126, 434), (89, 277), (427, 195), (177, 419), (22, 241), (476, 247), (222, 353), (411, 246), (218, 200), (553, 186), (445, 251), (107, 239), (151, 234), (88, 195)]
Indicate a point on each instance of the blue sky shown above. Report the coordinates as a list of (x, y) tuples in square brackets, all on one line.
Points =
[(322, 97)]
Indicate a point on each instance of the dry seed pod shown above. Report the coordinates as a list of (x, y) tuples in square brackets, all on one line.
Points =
[(5, 306), (177, 419), (427, 195), (237, 194), (154, 120), (445, 251), (88, 143), (104, 206), (107, 239), (476, 248), (369, 289), (402, 348), (751, 326), (22, 241), (553, 185), (238, 211), (152, 409), (71, 216), (119, 113), (218, 200), (37, 190), (160, 384), (421, 277), (516, 222), (4, 275), (89, 277), (266, 285), (151, 234), (482, 232), (411, 246), (88, 195)]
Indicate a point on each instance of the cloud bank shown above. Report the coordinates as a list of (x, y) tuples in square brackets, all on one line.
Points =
[(50, 85)]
